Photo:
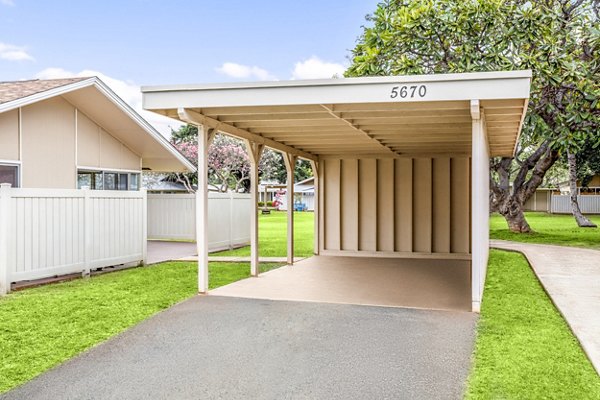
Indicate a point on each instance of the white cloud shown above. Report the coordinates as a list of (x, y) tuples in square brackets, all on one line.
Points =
[(11, 52), (240, 71), (126, 90), (315, 68), (7, 2)]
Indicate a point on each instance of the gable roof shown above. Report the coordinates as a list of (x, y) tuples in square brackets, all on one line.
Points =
[(97, 101), (14, 90)]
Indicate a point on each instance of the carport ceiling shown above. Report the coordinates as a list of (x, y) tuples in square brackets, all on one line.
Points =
[(410, 115)]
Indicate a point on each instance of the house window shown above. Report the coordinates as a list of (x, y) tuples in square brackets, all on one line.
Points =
[(108, 180), (9, 174), (134, 182)]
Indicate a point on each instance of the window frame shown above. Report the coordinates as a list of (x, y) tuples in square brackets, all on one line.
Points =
[(17, 165), (119, 174)]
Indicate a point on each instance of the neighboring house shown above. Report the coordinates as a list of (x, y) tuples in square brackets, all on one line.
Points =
[(541, 200), (166, 187), (76, 132), (268, 190), (304, 196), (592, 187)]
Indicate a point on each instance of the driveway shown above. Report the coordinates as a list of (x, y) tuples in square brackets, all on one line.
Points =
[(231, 348)]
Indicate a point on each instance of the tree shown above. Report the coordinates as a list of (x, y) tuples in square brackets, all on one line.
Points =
[(582, 220), (228, 161), (557, 40)]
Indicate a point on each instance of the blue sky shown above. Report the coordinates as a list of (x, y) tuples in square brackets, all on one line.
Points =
[(145, 42)]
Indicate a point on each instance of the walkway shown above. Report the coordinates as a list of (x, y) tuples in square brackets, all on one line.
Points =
[(211, 347), (571, 276), (236, 259), (162, 250)]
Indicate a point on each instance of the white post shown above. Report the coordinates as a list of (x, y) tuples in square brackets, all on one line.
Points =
[(88, 223), (315, 169), (231, 208), (5, 215), (202, 209), (144, 226), (254, 152), (480, 161), (290, 166)]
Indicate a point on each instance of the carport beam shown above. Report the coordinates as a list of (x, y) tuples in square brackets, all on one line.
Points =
[(290, 166)]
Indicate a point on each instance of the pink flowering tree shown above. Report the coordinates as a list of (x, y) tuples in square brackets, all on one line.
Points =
[(228, 163)]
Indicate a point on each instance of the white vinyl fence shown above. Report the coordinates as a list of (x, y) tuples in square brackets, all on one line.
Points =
[(48, 232), (173, 217), (589, 204)]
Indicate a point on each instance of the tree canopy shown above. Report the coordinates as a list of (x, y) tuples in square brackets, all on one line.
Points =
[(229, 164), (557, 39)]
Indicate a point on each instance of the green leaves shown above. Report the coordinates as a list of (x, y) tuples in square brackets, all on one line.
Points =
[(558, 43)]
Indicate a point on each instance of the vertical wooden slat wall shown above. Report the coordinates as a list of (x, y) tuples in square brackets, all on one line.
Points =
[(331, 194), (404, 205)]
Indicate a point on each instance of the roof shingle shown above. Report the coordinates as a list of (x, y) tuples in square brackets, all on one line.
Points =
[(10, 91)]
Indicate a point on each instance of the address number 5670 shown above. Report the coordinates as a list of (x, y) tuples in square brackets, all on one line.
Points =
[(408, 91)]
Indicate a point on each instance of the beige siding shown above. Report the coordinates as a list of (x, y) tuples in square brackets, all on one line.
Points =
[(406, 206), (48, 129), (331, 194), (9, 135), (349, 202), (49, 139), (97, 148), (367, 201)]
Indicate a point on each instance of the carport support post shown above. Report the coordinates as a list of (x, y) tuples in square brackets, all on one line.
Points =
[(205, 136), (290, 166), (254, 153), (315, 170), (480, 205)]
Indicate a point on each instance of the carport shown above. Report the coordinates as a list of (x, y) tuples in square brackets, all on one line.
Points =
[(401, 163)]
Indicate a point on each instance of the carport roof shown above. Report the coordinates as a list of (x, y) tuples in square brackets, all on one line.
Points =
[(381, 116)]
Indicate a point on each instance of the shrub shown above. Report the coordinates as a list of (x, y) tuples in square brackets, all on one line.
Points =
[(269, 204), (261, 203)]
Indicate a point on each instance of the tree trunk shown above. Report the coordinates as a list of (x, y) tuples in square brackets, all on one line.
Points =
[(581, 219), (513, 212), (510, 201)]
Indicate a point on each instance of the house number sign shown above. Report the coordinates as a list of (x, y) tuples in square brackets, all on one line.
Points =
[(408, 92)]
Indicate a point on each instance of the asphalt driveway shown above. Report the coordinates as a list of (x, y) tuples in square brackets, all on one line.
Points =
[(212, 347)]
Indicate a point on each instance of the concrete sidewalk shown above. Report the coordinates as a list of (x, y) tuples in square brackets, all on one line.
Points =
[(241, 259), (571, 276)]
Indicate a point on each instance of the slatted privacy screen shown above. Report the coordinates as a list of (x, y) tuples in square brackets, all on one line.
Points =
[(173, 216), (48, 232), (404, 205), (589, 204)]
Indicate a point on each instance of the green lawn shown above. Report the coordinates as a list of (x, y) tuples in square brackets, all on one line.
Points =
[(549, 229), (42, 327), (272, 236), (524, 348)]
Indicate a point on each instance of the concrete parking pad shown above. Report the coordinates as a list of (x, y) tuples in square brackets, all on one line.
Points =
[(571, 277), (213, 347), (392, 282)]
